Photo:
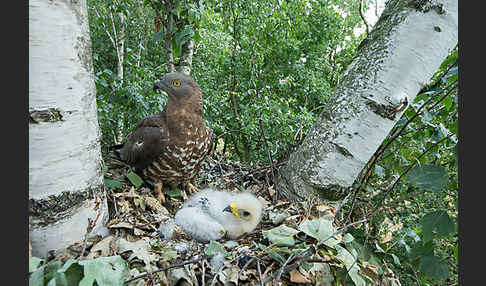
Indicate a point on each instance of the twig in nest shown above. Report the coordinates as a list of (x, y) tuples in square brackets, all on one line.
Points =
[(220, 270), (269, 158), (259, 273), (166, 268), (89, 228)]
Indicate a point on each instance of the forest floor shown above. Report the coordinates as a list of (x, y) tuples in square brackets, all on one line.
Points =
[(286, 248)]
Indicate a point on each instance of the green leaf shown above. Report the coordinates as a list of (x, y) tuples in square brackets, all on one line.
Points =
[(348, 238), (215, 248), (434, 267), (276, 256), (428, 177), (437, 222), (281, 235), (134, 179), (70, 274), (173, 193), (320, 229), (112, 183), (183, 36), (37, 278), (395, 259), (421, 249), (351, 265), (379, 171), (111, 270), (34, 263)]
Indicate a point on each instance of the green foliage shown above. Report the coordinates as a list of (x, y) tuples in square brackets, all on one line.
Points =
[(428, 177), (215, 247), (135, 179), (281, 235), (253, 60), (423, 158), (320, 229), (111, 270), (436, 224)]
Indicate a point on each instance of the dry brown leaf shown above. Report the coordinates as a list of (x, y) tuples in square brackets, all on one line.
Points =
[(271, 191), (264, 202), (122, 224), (155, 205), (102, 248), (370, 270), (297, 277), (125, 206)]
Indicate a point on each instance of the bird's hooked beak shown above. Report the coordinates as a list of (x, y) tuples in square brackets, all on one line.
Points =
[(232, 209), (160, 85)]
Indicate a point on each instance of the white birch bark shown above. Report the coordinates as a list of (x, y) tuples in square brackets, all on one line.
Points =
[(186, 57), (404, 49), (65, 164)]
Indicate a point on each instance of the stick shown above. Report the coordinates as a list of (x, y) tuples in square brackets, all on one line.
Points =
[(269, 157), (166, 268)]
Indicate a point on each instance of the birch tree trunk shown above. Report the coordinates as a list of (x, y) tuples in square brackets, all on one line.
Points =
[(186, 56), (65, 164), (400, 55)]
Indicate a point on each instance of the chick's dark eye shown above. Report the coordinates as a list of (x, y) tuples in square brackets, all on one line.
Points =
[(245, 213)]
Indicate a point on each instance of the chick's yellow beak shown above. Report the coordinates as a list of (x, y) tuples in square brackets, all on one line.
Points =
[(233, 209)]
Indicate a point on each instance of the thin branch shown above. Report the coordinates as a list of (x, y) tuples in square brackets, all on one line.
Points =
[(405, 172), (166, 268), (363, 17), (259, 273), (262, 131), (382, 148)]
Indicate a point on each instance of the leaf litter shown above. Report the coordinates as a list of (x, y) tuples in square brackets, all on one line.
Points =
[(136, 247)]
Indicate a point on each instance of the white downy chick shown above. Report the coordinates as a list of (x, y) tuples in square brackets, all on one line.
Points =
[(210, 213)]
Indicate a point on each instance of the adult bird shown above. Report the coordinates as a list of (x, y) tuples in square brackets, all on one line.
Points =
[(212, 214), (169, 147)]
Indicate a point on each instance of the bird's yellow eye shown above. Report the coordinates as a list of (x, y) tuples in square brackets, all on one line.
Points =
[(176, 83)]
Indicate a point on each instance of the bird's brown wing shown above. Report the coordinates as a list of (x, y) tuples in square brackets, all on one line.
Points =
[(145, 143)]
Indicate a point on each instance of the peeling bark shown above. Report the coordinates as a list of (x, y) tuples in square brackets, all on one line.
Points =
[(397, 59), (65, 164)]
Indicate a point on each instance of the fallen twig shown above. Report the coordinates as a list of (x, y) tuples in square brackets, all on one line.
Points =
[(166, 268)]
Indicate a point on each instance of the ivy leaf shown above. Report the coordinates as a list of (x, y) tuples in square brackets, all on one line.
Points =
[(428, 177), (438, 222), (320, 229), (112, 183), (434, 267), (111, 270), (70, 274), (134, 179), (34, 263), (351, 265), (281, 235), (215, 247)]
